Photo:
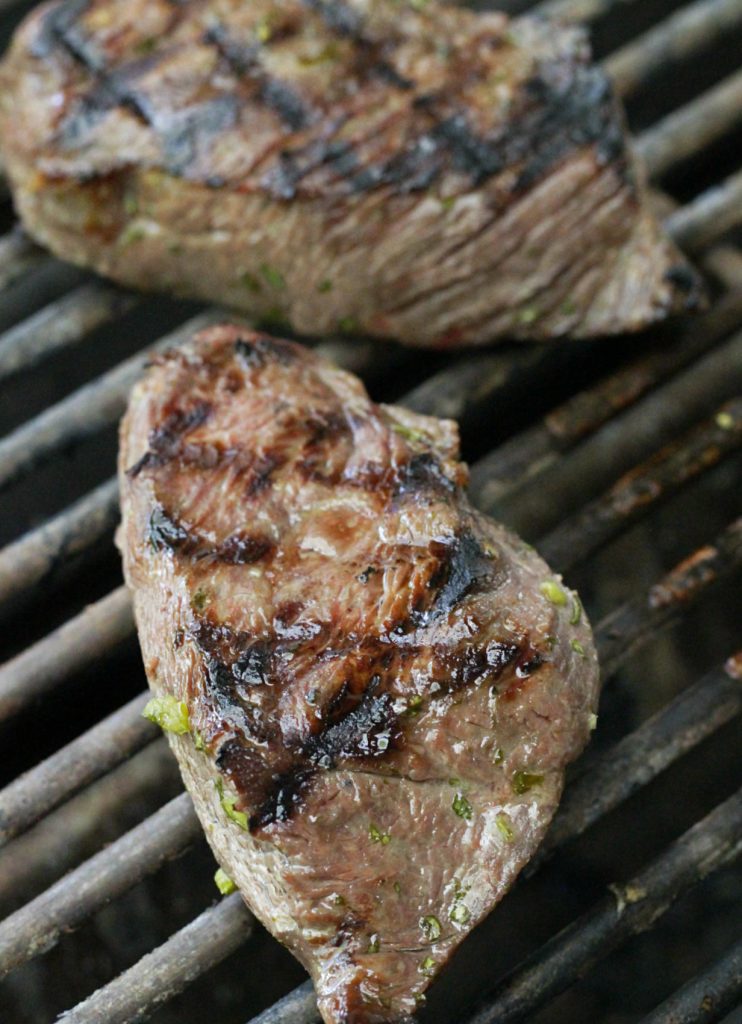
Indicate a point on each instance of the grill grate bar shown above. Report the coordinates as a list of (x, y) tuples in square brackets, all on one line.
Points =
[(18, 255), (689, 130), (709, 216), (35, 559), (74, 766), (634, 761), (686, 32), (619, 446), (584, 11), (627, 910), (75, 645), (39, 925), (659, 477), (536, 448), (707, 998), (170, 968), (60, 325), (72, 834), (84, 412), (637, 622)]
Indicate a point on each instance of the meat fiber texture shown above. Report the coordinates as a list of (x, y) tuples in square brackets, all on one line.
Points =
[(383, 685), (422, 173)]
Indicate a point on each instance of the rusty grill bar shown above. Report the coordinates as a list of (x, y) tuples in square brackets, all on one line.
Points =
[(607, 457)]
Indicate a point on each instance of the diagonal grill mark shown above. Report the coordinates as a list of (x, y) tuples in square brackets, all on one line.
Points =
[(245, 62)]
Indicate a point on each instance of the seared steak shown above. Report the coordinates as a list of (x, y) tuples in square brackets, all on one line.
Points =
[(375, 688), (422, 173)]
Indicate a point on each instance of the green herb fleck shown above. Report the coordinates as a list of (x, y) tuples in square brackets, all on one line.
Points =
[(503, 826), (324, 286), (725, 420), (427, 966), (224, 883), (576, 610), (263, 30), (273, 276), (407, 433), (528, 315), (414, 705), (327, 53), (397, 888), (250, 282), (199, 600), (348, 325), (578, 648), (377, 836), (338, 900), (462, 807), (228, 802), (145, 46), (430, 926), (569, 307), (131, 205), (460, 913), (592, 722), (523, 781), (132, 233), (198, 740), (447, 201), (553, 592), (169, 713), (374, 944), (453, 781)]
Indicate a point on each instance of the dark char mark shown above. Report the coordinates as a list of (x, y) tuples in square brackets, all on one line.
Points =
[(165, 440), (423, 473), (262, 349), (366, 731), (245, 62), (464, 568), (165, 533), (339, 17)]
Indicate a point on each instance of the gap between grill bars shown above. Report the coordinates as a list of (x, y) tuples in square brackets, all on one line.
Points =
[(637, 402)]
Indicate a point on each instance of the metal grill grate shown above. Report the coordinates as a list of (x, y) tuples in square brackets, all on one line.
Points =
[(640, 424)]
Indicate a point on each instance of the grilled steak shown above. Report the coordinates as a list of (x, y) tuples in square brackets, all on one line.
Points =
[(431, 175), (383, 686)]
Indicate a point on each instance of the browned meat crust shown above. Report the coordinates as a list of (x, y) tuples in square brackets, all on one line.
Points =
[(384, 686), (428, 174)]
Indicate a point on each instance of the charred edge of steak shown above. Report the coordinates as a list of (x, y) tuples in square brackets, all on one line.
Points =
[(464, 568), (166, 533), (262, 349), (423, 473), (166, 439)]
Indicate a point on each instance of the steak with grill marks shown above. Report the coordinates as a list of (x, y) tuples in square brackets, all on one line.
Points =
[(428, 174), (383, 685)]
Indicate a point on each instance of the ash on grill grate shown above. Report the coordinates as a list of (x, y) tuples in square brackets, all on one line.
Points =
[(624, 458)]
